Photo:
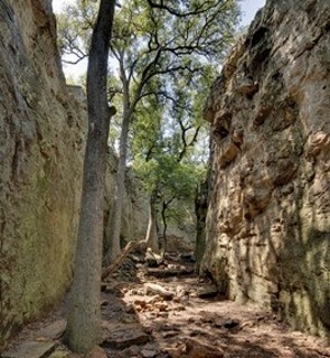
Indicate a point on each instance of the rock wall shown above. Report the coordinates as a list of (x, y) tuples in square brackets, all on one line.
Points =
[(268, 223), (42, 138), (41, 145)]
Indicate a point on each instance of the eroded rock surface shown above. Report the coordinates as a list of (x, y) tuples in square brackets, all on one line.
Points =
[(268, 224), (43, 127), (41, 144)]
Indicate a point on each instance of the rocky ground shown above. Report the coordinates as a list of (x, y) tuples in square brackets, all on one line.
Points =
[(168, 312)]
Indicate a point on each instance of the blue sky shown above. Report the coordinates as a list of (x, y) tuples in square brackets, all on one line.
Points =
[(249, 9)]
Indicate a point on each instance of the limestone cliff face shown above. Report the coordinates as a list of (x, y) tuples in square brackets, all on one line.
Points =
[(42, 138), (41, 145), (268, 223)]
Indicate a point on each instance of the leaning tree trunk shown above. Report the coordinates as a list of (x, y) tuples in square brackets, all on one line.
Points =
[(117, 211), (84, 321)]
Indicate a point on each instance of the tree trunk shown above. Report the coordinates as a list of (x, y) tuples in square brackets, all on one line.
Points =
[(152, 231), (164, 237), (84, 321), (116, 218), (201, 212)]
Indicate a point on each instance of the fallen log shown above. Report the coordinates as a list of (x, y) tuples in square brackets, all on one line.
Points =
[(109, 270)]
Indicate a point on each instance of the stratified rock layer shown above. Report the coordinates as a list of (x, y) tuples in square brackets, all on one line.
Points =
[(268, 224)]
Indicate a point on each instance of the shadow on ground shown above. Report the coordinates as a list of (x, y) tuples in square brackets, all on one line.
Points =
[(192, 322)]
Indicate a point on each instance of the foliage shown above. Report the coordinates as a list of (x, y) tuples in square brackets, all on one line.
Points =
[(164, 56), (147, 57), (175, 183), (167, 173)]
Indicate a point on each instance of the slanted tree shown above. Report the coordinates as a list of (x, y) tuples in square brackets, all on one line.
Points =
[(84, 321), (149, 60)]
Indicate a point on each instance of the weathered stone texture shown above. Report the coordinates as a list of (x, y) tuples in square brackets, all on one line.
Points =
[(41, 146), (42, 138), (268, 224)]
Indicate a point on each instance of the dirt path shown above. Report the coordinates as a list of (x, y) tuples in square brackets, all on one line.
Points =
[(139, 322)]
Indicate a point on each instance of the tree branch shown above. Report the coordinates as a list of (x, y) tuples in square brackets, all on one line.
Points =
[(197, 11)]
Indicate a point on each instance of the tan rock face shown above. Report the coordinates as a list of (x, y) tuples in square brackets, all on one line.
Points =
[(268, 223), (42, 138), (41, 144)]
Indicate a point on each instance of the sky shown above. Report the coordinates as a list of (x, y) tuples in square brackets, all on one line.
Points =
[(249, 9)]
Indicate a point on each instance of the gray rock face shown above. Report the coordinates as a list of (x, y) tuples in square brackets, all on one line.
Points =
[(41, 144), (42, 139), (268, 225)]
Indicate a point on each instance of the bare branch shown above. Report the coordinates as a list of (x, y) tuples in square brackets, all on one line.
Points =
[(68, 62), (186, 145), (197, 11)]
